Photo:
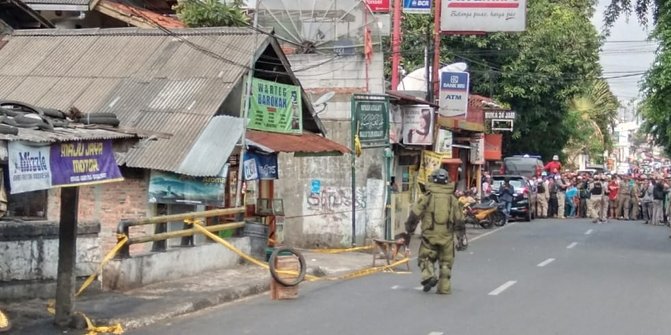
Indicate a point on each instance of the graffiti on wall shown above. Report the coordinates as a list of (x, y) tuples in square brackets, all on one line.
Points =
[(328, 209)]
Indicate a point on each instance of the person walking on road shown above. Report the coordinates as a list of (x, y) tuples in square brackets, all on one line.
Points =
[(583, 191), (596, 200), (554, 166), (506, 195), (442, 218)]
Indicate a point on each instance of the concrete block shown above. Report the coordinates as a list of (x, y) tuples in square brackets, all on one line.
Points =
[(173, 264)]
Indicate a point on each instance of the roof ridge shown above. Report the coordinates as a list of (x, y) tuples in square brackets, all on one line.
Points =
[(133, 31)]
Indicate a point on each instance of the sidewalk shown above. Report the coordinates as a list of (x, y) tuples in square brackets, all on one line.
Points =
[(153, 303)]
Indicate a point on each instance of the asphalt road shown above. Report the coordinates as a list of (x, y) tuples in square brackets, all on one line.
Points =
[(544, 277)]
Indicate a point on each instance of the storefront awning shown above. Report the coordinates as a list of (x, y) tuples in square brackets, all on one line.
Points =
[(306, 144), (453, 123)]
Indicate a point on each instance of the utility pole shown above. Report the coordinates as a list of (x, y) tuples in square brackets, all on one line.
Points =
[(435, 78), (396, 45)]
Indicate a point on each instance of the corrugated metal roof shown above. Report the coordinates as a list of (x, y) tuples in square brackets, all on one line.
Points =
[(220, 136), (152, 81), (66, 134), (58, 2), (307, 143)]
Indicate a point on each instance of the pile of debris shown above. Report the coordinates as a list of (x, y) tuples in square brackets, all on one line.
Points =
[(15, 115)]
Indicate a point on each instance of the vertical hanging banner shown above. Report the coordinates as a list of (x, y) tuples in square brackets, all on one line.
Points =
[(370, 119), (477, 154), (444, 142), (429, 163), (417, 6), (454, 94), (83, 163), (275, 107), (379, 6), (29, 167), (483, 15)]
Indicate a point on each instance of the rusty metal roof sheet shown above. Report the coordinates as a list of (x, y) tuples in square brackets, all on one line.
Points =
[(306, 143), (151, 80), (221, 135)]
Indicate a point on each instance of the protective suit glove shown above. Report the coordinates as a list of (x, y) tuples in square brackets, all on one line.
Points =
[(462, 241)]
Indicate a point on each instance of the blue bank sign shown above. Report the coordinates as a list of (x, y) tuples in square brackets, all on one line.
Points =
[(453, 94), (417, 6)]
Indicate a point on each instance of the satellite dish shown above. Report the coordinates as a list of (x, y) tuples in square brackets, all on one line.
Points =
[(324, 98)]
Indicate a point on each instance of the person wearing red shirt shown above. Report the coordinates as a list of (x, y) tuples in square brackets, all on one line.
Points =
[(613, 190), (554, 165)]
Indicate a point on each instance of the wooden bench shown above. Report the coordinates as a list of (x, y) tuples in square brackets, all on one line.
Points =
[(390, 250)]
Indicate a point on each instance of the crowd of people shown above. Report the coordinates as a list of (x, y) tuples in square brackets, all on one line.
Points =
[(602, 197)]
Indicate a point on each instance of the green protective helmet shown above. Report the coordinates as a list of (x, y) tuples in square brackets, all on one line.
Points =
[(440, 176)]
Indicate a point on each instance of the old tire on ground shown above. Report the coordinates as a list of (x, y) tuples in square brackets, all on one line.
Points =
[(8, 130), (277, 277), (52, 112)]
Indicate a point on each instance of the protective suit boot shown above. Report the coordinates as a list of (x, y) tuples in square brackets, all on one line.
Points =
[(429, 283), (444, 283)]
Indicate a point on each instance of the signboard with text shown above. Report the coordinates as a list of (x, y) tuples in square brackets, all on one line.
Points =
[(33, 168), (417, 6), (483, 16), (429, 163), (370, 119), (477, 153), (260, 166), (379, 6), (500, 114), (275, 107), (454, 94), (172, 188)]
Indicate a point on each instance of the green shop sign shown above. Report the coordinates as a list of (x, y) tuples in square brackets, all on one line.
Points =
[(275, 107), (370, 119)]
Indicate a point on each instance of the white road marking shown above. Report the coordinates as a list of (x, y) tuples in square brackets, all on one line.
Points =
[(570, 246), (589, 232), (545, 262), (503, 287), (436, 333), (491, 232), (419, 288), (395, 287)]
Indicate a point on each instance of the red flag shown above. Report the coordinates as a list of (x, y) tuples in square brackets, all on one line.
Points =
[(367, 45)]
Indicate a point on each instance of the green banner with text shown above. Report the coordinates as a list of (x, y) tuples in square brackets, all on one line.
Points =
[(275, 107)]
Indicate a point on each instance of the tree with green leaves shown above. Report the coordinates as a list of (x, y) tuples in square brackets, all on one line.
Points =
[(655, 108), (590, 117), (536, 72), (211, 13)]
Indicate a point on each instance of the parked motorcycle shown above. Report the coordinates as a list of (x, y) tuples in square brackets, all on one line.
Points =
[(486, 214)]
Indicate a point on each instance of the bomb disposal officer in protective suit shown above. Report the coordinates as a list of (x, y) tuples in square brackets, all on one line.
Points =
[(442, 218)]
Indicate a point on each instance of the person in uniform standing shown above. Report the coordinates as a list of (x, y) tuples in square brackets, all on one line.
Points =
[(542, 198), (623, 199), (596, 201), (442, 219)]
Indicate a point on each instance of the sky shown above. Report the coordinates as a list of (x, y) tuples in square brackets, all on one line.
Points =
[(626, 53)]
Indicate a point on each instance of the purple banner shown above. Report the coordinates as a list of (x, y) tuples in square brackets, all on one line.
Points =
[(86, 162)]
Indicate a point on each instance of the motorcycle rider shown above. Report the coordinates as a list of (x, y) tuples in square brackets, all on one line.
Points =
[(441, 217)]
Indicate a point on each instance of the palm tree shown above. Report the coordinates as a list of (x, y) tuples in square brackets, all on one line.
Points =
[(590, 116)]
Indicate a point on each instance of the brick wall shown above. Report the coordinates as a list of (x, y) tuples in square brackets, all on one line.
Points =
[(108, 204)]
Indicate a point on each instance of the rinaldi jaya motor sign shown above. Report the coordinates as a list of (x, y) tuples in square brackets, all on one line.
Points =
[(483, 16), (40, 167)]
